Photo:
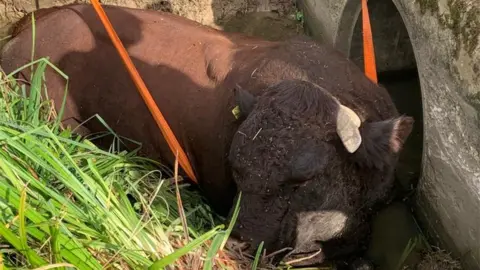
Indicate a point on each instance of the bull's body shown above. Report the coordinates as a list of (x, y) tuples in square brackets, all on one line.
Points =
[(191, 71)]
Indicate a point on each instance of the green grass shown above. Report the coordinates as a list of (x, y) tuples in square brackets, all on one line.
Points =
[(63, 201)]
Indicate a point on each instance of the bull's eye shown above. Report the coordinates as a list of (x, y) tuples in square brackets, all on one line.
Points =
[(302, 168), (309, 161)]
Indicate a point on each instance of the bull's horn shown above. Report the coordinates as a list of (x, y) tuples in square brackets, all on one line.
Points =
[(348, 123)]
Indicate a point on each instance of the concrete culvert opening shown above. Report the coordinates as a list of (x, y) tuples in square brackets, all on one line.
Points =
[(398, 241)]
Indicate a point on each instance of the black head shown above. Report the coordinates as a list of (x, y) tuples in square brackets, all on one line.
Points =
[(307, 167)]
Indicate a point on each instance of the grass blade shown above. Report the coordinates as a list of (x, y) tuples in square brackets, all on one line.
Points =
[(212, 252), (17, 243), (22, 227), (257, 256), (170, 259), (232, 220)]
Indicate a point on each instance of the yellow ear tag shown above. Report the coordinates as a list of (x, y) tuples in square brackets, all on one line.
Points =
[(236, 112)]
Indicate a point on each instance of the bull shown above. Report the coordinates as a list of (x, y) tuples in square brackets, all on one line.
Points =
[(313, 150)]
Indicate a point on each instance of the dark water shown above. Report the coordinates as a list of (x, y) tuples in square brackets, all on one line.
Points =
[(395, 225), (404, 88)]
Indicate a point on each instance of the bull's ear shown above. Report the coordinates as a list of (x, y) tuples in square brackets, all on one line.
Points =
[(244, 100), (382, 139), (402, 127)]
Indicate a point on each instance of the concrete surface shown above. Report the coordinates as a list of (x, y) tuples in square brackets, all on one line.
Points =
[(392, 43), (445, 39)]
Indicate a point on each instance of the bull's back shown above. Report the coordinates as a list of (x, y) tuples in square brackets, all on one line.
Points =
[(152, 36)]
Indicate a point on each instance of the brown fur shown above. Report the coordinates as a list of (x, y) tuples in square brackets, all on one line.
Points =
[(284, 153)]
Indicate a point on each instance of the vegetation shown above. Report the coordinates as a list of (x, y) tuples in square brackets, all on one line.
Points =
[(65, 202)]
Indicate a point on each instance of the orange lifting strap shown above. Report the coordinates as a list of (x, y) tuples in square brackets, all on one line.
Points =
[(368, 49), (147, 98)]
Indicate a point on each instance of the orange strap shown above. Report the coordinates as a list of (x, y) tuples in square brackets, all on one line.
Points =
[(368, 50), (147, 98)]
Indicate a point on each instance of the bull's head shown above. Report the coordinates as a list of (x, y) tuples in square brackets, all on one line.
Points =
[(309, 169)]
